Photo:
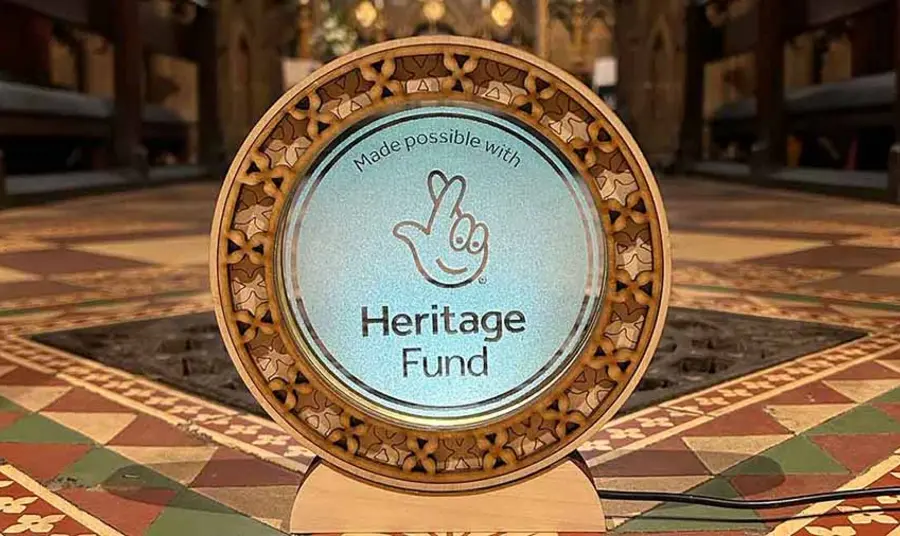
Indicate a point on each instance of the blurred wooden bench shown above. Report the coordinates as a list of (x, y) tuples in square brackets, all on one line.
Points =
[(121, 132)]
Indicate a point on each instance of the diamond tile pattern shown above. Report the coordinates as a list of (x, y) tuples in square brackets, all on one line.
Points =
[(125, 455)]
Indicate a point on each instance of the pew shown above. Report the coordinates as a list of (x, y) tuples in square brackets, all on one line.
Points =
[(58, 140), (837, 136)]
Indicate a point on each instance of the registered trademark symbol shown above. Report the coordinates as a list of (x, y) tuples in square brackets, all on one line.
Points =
[(482, 280)]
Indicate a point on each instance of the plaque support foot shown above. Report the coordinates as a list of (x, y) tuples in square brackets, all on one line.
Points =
[(561, 499)]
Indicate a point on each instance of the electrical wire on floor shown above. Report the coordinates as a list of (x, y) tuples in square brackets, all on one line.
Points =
[(746, 504)]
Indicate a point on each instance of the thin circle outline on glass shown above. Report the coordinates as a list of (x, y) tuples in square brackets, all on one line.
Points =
[(589, 291)]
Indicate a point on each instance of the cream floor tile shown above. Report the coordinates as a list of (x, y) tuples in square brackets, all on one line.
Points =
[(620, 509), (101, 427), (888, 270), (173, 251), (720, 453), (703, 247), (181, 464), (33, 397), (269, 504), (8, 275)]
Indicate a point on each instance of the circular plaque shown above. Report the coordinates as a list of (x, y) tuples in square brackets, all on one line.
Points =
[(441, 263)]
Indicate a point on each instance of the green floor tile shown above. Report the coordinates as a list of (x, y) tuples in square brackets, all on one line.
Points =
[(192, 514), (795, 456), (890, 396), (8, 405), (103, 467), (861, 420), (34, 428), (685, 517)]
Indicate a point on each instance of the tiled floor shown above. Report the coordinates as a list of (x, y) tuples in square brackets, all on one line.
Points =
[(93, 450)]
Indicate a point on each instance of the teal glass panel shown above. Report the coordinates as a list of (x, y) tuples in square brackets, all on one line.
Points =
[(442, 262)]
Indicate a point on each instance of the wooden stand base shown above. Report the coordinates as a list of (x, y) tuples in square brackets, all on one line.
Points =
[(562, 499)]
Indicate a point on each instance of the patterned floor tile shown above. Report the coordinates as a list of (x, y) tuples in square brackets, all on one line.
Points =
[(34, 289), (749, 421), (843, 257), (626, 509), (84, 401), (33, 398), (268, 504), (129, 511), (863, 390), (101, 427), (719, 453), (795, 456), (9, 275), (670, 457), (109, 470), (892, 409), (34, 428), (860, 420), (229, 468), (192, 249), (872, 370), (20, 376), (775, 486), (181, 464), (723, 424), (886, 270), (7, 418), (63, 261), (813, 393), (697, 518), (33, 509), (190, 513), (801, 417), (858, 452), (859, 283), (702, 247), (43, 461), (151, 432)]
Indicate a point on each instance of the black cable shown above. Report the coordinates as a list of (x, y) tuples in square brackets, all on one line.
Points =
[(746, 504)]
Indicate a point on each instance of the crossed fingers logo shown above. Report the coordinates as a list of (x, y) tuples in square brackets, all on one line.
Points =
[(451, 249)]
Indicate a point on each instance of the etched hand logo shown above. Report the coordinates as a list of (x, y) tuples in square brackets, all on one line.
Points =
[(451, 249)]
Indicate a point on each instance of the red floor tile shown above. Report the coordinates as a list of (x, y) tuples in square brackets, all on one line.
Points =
[(151, 432), (814, 393), (752, 420), (64, 261), (131, 512), (27, 376), (35, 289), (42, 461), (858, 452), (669, 457), (232, 468), (892, 409), (82, 400), (9, 417), (776, 486), (866, 371)]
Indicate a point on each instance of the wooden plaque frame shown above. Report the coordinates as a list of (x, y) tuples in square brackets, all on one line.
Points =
[(273, 363)]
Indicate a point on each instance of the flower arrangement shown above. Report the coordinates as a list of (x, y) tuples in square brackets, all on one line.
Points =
[(334, 36)]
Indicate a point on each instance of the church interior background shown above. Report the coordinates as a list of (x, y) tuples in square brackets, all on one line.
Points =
[(137, 106)]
